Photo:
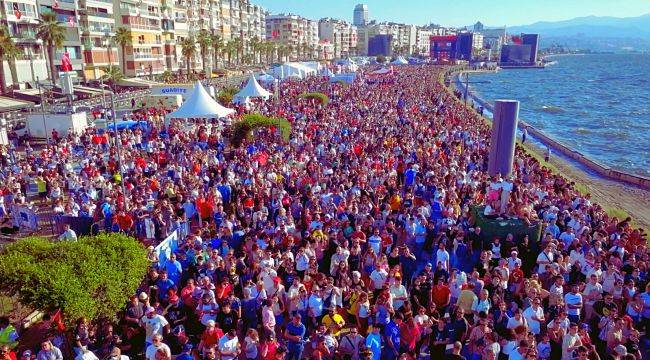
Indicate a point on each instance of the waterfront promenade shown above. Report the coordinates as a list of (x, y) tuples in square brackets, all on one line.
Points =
[(624, 194)]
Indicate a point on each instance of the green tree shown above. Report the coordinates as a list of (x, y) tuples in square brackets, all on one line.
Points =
[(8, 51), (92, 277), (242, 130), (256, 46), (123, 38), (52, 32), (226, 95), (204, 39), (217, 47), (112, 75), (188, 49), (230, 48)]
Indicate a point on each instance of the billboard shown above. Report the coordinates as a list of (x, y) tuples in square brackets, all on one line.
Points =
[(443, 47)]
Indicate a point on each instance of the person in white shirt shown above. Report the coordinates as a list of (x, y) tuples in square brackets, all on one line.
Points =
[(593, 292), (574, 304), (68, 234), (378, 277), (229, 346), (116, 354), (153, 325), (157, 345), (442, 256), (544, 258), (534, 316), (86, 354), (513, 260)]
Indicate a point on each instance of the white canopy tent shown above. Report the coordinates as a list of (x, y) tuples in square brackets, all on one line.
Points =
[(264, 77), (252, 90), (400, 61), (327, 73), (293, 70), (199, 105)]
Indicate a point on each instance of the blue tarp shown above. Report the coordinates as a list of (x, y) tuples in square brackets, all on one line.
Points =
[(348, 78), (129, 124)]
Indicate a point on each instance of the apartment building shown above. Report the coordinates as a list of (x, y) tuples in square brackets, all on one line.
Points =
[(30, 63), (97, 29), (341, 34), (294, 31)]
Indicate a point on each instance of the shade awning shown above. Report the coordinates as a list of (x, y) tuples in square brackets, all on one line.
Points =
[(137, 82), (10, 104)]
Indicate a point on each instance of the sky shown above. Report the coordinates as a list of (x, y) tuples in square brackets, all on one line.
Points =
[(461, 12)]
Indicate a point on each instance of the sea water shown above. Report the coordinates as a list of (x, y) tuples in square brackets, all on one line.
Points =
[(598, 104)]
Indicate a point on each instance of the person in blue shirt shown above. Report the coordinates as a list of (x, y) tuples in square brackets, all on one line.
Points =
[(164, 284), (391, 336), (174, 269), (409, 176), (294, 334), (373, 343)]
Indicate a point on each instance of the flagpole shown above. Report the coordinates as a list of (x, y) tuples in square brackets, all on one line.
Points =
[(40, 94)]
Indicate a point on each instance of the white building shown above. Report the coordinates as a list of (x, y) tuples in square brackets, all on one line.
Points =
[(477, 40)]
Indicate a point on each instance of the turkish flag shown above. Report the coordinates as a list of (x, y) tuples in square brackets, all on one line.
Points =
[(66, 64), (517, 40), (71, 21), (263, 158), (17, 12), (57, 319)]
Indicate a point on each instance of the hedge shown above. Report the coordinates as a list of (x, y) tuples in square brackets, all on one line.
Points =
[(322, 98), (91, 278), (242, 129)]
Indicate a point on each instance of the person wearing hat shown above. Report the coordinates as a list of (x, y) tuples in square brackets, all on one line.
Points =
[(153, 324)]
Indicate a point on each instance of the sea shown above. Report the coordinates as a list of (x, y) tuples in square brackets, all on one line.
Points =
[(598, 104)]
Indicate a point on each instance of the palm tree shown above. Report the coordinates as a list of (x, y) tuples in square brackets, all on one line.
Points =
[(123, 38), (8, 51), (188, 48), (204, 39), (230, 48), (112, 75), (52, 32), (256, 46), (217, 47), (239, 48)]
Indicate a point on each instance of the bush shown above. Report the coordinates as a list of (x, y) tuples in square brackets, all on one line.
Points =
[(92, 277), (320, 97), (242, 129), (225, 95)]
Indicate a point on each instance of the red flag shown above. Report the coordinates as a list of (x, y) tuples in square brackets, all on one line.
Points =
[(57, 319), (275, 33), (516, 40), (66, 64), (262, 158), (71, 21), (17, 12), (55, 5)]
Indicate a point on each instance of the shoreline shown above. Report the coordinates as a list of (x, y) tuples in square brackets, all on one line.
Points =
[(560, 149), (618, 197)]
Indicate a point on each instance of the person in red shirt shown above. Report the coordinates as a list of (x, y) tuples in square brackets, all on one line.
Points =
[(210, 336), (410, 334), (124, 221), (441, 295)]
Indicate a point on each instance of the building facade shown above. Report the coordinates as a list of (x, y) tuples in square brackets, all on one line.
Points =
[(360, 15), (97, 27), (341, 34), (298, 34)]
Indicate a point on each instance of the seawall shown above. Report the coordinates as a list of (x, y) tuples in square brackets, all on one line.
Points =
[(557, 147)]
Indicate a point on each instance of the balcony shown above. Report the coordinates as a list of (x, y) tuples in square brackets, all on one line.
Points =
[(100, 14)]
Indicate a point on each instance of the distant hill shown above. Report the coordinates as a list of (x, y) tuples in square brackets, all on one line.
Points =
[(591, 26), (598, 33)]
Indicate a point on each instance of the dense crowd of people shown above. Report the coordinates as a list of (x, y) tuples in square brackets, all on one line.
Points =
[(354, 240)]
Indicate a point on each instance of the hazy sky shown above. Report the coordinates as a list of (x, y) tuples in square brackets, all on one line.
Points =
[(461, 12)]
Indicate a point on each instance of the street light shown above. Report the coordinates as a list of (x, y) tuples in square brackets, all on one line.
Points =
[(118, 147), (40, 94)]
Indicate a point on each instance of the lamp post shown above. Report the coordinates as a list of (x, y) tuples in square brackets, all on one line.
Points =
[(118, 147), (40, 94)]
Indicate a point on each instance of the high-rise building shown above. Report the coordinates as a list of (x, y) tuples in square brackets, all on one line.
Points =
[(341, 34), (360, 17)]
